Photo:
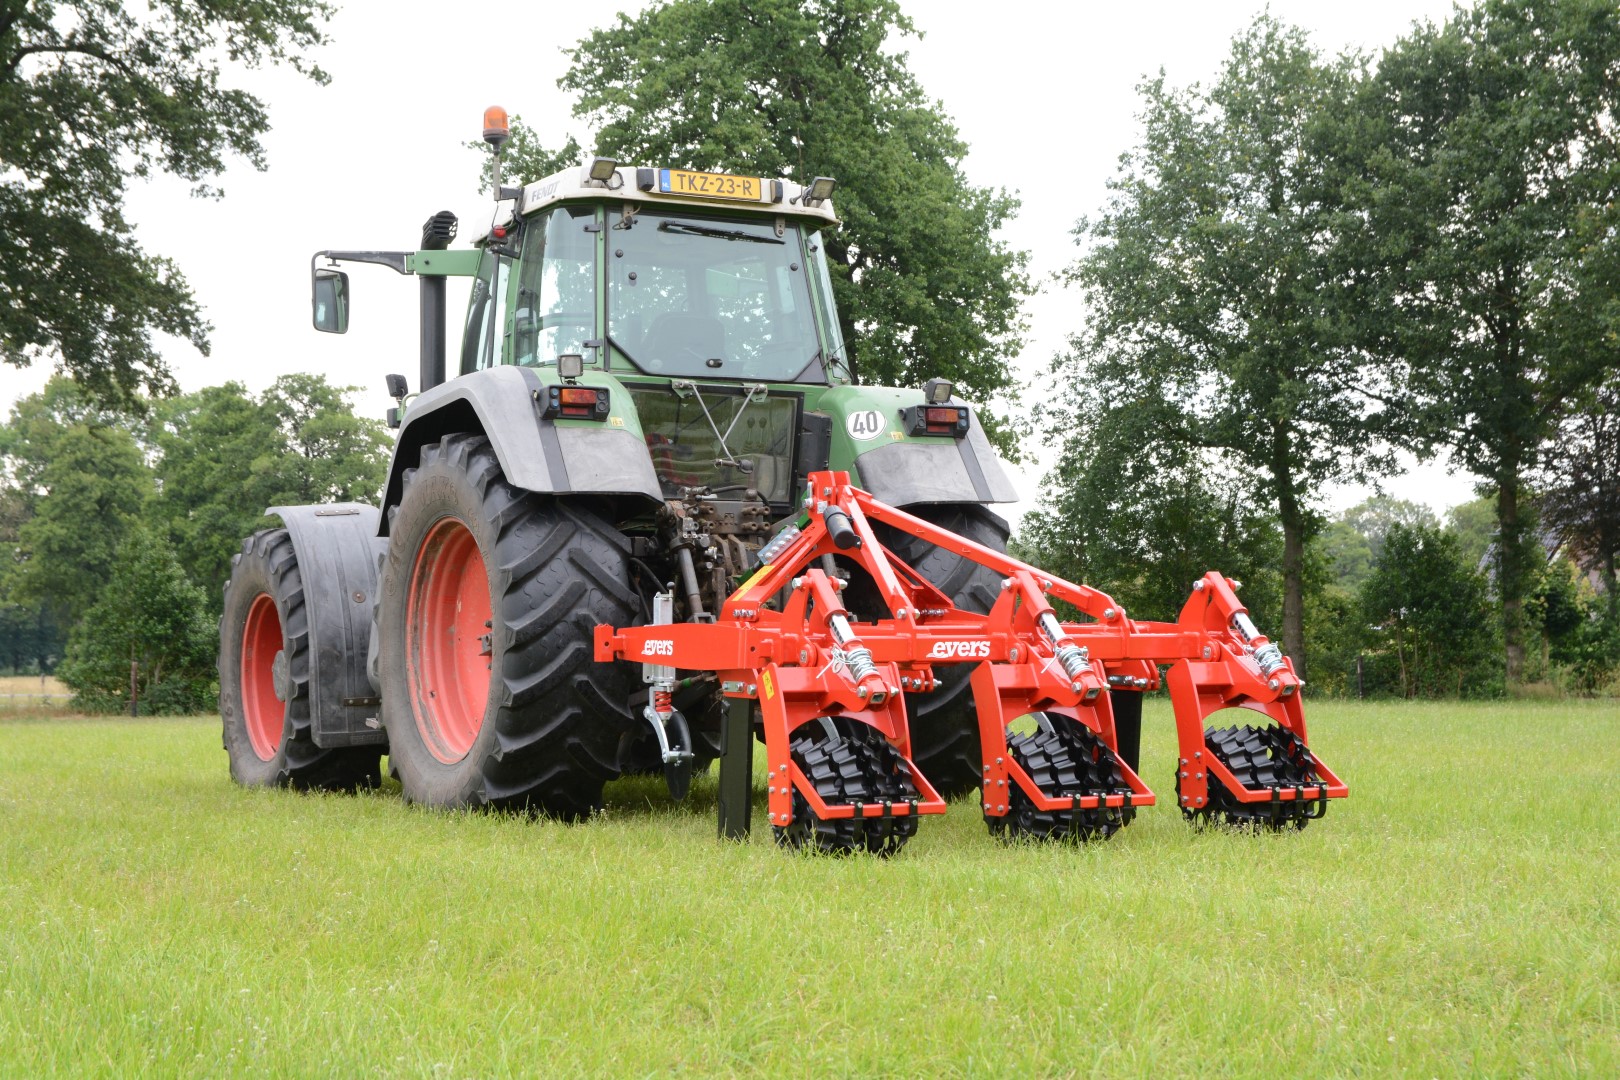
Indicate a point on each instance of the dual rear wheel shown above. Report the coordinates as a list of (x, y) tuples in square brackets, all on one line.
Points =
[(264, 695), (488, 600)]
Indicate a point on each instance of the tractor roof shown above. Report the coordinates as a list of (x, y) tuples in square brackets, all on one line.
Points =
[(678, 187)]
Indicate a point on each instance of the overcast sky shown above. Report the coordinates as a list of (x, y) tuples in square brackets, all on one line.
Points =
[(1043, 93)]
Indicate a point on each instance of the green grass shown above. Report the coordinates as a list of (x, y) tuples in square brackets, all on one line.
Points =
[(1456, 916)]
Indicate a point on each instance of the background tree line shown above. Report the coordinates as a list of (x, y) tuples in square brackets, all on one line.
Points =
[(1304, 264), (117, 528), (1314, 260)]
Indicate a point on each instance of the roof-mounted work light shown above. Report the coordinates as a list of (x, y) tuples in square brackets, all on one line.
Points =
[(938, 391), (819, 191), (603, 169)]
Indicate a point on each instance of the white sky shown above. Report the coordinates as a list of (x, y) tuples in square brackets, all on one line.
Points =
[(1044, 94)]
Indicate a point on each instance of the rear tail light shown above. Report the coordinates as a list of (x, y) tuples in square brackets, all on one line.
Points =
[(577, 403), (950, 420)]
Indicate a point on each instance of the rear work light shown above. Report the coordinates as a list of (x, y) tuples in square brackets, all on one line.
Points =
[(577, 403), (952, 420)]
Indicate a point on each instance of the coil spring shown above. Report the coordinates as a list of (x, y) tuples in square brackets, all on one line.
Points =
[(663, 702), (1074, 659), (860, 663), (1269, 657)]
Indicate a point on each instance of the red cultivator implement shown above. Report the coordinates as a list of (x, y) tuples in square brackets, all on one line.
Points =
[(830, 688)]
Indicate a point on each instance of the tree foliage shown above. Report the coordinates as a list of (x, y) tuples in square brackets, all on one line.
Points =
[(1580, 486), (94, 93), (1375, 515), (1433, 617), (806, 88), (81, 483), (1492, 202), (150, 619), (1142, 521), (223, 456), (1211, 278), (192, 477)]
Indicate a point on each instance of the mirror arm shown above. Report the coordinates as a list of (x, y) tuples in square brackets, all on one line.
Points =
[(394, 260)]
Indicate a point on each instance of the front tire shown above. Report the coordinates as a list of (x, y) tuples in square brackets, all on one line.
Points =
[(264, 678), (488, 602)]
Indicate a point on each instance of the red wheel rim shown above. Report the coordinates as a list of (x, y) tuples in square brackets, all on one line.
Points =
[(263, 714), (447, 625)]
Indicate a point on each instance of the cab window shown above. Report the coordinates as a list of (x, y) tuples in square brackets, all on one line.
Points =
[(554, 312), (486, 314)]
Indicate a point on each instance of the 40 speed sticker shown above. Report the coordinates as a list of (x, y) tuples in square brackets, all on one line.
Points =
[(865, 425)]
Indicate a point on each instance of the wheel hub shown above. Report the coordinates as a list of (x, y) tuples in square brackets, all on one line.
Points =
[(448, 640), (263, 711)]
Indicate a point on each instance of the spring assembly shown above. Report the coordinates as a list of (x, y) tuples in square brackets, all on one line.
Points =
[(663, 701), (1268, 656), (849, 651), (859, 661), (1075, 660)]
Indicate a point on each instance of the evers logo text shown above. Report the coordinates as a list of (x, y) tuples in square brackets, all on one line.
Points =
[(965, 650)]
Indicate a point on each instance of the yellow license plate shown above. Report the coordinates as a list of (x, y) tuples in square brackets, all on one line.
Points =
[(708, 185)]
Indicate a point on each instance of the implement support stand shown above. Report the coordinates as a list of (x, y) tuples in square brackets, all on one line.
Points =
[(736, 802)]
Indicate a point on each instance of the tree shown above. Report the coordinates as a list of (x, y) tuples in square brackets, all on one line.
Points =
[(30, 638), (216, 472), (81, 483), (1580, 486), (224, 456), (806, 88), (1375, 515), (1347, 552), (149, 619), (1492, 203), (1473, 523), (329, 454), (1433, 614), (92, 95), (1219, 310), (1143, 521)]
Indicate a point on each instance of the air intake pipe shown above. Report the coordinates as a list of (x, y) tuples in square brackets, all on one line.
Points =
[(437, 233)]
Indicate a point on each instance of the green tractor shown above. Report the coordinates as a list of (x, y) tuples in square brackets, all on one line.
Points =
[(650, 367)]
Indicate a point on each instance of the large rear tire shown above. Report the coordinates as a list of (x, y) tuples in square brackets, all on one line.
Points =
[(264, 677), (489, 598), (944, 724)]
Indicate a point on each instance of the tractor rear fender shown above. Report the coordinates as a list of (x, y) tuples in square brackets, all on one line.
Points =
[(337, 550), (870, 431), (507, 406)]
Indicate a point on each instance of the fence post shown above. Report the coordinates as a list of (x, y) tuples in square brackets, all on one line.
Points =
[(134, 688)]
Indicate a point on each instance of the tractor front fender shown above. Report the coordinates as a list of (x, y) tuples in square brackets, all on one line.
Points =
[(901, 469), (337, 550), (537, 453)]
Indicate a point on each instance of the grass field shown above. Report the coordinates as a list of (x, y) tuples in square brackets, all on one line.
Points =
[(1456, 916)]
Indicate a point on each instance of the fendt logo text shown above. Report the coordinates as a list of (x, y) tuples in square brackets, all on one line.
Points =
[(966, 650)]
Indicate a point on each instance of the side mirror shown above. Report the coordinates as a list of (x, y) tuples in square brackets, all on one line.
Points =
[(330, 300), (397, 387)]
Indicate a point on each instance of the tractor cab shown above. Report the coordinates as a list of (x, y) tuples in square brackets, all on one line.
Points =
[(706, 296)]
